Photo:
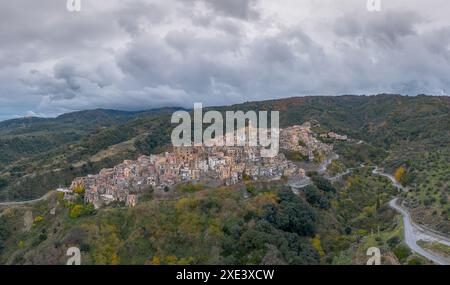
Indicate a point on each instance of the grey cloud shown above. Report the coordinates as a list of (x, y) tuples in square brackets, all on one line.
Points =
[(241, 9), (384, 29), (135, 16), (237, 8), (136, 54), (438, 43)]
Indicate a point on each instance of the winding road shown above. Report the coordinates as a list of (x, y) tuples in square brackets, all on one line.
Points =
[(390, 177), (297, 184), (323, 166), (414, 233), (45, 197)]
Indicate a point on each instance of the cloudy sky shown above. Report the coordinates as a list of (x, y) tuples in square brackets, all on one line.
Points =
[(141, 54)]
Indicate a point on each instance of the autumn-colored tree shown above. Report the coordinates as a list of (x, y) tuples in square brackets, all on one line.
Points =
[(171, 260), (317, 245), (399, 173), (214, 228), (79, 189), (258, 203), (106, 246), (76, 211), (154, 261), (38, 219), (60, 197)]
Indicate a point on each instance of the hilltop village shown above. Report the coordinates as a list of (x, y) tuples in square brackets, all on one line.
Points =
[(198, 164)]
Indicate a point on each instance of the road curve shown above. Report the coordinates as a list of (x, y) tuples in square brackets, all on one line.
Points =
[(413, 233), (323, 166), (12, 203), (390, 177)]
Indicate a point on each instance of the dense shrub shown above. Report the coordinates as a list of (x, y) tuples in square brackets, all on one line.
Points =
[(80, 210), (316, 197), (323, 184), (393, 241), (4, 233), (402, 252), (294, 215)]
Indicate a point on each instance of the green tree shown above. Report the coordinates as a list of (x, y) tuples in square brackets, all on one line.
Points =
[(76, 211), (323, 184)]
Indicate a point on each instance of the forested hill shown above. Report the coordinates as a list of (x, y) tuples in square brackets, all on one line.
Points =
[(32, 149), (383, 120), (38, 154)]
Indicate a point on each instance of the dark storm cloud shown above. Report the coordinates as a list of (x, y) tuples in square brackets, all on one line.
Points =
[(237, 8), (135, 54), (242, 9), (385, 29)]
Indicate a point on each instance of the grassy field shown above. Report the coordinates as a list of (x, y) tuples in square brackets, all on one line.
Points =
[(439, 248)]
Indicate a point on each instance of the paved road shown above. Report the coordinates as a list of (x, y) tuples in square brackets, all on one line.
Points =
[(301, 183), (323, 166), (414, 233), (297, 184), (45, 197), (390, 177), (340, 175)]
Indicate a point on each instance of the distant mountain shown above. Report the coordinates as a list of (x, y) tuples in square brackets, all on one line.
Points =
[(384, 119), (35, 146), (81, 120)]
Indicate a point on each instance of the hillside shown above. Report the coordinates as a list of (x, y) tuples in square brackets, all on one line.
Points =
[(197, 225), (34, 149), (248, 223), (38, 155)]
